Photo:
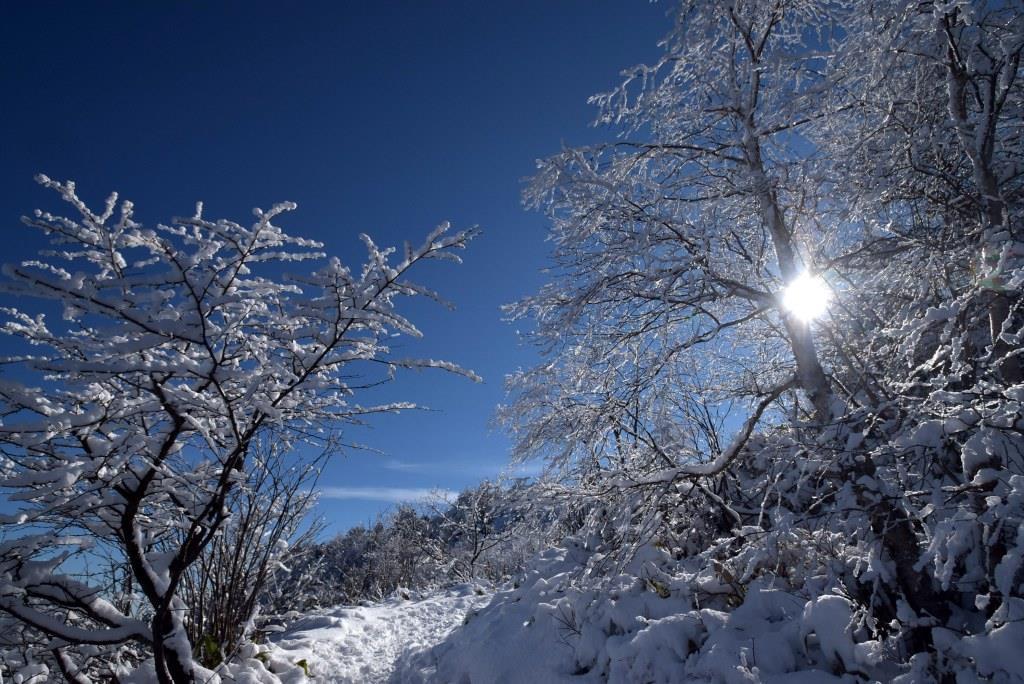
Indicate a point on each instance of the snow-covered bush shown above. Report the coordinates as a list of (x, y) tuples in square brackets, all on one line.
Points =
[(240, 573)]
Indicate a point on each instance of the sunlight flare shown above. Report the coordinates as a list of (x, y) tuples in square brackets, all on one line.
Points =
[(807, 297)]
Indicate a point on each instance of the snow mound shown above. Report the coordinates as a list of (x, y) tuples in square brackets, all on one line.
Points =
[(645, 625)]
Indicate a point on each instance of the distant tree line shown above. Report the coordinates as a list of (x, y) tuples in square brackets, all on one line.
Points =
[(487, 533)]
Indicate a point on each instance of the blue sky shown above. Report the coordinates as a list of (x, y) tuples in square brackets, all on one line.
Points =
[(377, 117)]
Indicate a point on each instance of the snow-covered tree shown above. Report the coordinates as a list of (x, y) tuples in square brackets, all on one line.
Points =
[(482, 527), (128, 426), (875, 452), (674, 244), (929, 151), (924, 140)]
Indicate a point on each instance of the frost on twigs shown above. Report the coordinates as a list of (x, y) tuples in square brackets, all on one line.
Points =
[(182, 348)]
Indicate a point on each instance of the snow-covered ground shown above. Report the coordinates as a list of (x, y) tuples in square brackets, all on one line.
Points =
[(362, 643), (660, 622)]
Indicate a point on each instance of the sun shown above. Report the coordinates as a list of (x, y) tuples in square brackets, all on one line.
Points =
[(807, 297)]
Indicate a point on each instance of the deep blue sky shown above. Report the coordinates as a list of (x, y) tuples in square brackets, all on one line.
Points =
[(377, 117)]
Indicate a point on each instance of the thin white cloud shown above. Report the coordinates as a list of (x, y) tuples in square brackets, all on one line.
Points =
[(467, 466), (395, 464), (528, 469), (391, 494)]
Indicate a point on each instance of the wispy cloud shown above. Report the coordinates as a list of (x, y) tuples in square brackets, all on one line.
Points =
[(395, 464), (392, 494), (489, 469)]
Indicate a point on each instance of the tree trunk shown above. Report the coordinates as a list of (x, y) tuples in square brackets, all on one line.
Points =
[(810, 373), (899, 540), (169, 667)]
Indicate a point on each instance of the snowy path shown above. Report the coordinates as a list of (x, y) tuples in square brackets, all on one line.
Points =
[(362, 643)]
